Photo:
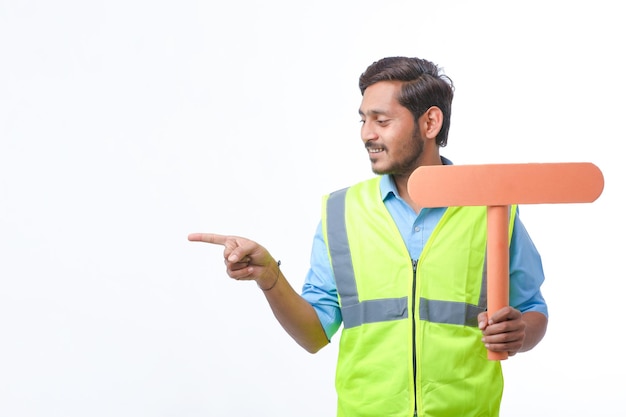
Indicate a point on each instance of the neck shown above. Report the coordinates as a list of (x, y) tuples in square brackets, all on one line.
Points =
[(402, 180)]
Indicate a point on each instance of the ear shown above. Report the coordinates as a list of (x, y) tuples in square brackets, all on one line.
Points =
[(430, 122)]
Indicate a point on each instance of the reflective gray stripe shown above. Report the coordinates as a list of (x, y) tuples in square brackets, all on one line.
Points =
[(482, 300), (356, 313), (372, 311), (449, 312), (339, 248)]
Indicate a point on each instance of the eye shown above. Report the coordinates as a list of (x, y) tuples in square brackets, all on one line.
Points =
[(383, 122)]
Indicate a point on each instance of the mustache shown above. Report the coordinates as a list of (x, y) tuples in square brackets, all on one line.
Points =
[(370, 145)]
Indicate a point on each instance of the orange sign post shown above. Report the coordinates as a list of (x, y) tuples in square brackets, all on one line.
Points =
[(498, 186)]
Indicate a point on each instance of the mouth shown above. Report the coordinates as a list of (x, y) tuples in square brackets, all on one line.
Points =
[(373, 149)]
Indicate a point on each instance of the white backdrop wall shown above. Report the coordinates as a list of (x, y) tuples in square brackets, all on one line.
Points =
[(126, 125)]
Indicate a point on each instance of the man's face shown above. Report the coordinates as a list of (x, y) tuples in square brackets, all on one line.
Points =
[(388, 130)]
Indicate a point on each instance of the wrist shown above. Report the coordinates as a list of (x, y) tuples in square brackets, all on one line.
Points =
[(272, 284)]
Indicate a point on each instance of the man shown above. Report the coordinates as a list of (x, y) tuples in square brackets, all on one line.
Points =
[(407, 283)]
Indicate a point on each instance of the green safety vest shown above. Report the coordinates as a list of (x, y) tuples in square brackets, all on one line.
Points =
[(410, 343)]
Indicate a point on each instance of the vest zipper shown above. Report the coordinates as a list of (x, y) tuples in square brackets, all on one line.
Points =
[(413, 324)]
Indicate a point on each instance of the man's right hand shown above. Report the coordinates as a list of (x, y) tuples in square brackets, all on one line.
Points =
[(244, 258)]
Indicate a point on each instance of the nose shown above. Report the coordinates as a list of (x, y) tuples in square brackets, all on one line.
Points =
[(368, 131)]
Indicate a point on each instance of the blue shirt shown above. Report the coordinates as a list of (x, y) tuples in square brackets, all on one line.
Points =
[(526, 270)]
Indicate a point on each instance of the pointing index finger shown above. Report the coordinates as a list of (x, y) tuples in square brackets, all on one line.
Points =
[(207, 238)]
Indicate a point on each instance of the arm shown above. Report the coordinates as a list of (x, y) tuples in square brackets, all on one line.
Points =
[(247, 260), (536, 326), (296, 315)]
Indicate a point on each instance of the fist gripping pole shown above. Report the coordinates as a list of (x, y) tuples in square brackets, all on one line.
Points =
[(497, 186)]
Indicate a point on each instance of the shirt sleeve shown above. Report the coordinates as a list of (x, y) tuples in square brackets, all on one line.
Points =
[(319, 287), (526, 271)]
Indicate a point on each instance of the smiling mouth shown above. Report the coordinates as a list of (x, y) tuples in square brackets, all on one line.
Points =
[(371, 149)]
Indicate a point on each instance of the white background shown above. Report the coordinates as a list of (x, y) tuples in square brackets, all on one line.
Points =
[(126, 125)]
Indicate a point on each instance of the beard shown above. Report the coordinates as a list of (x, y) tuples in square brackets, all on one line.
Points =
[(409, 160)]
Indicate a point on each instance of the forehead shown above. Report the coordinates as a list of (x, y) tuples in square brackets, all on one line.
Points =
[(381, 97)]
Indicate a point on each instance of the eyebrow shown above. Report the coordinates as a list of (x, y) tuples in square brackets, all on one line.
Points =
[(373, 112)]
